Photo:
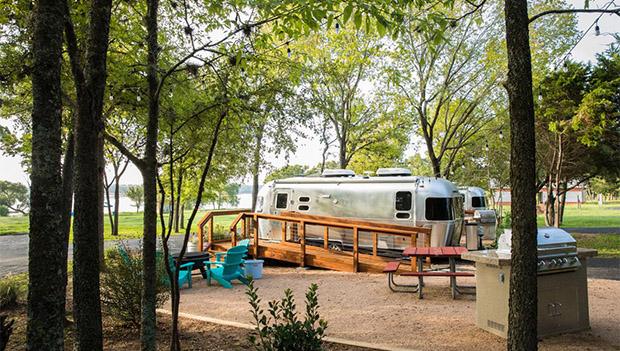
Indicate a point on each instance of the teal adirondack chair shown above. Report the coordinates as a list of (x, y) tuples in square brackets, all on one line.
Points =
[(185, 272), (228, 270), (244, 242), (239, 248)]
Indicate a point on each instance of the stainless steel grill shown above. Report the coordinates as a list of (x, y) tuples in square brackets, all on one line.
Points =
[(557, 250), (485, 216)]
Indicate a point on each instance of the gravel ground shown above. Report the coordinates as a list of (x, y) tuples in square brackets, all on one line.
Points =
[(360, 307)]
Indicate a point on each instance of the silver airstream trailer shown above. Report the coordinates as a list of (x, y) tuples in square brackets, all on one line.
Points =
[(476, 210), (474, 198), (392, 196)]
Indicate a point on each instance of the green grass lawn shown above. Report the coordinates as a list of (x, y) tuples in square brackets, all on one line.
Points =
[(130, 224), (608, 245), (589, 215)]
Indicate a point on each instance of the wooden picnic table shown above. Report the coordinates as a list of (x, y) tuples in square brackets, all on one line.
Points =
[(197, 258), (449, 252)]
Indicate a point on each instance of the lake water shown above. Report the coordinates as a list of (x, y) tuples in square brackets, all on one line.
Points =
[(126, 205)]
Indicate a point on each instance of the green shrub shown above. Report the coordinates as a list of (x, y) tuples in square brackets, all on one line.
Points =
[(221, 231), (4, 211), (507, 220), (121, 285), (282, 330), (13, 289)]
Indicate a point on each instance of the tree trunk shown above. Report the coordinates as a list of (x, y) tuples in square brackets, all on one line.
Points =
[(47, 247), (177, 208), (558, 177), (149, 174), (183, 215), (562, 203), (67, 197), (88, 218), (549, 203), (342, 154), (256, 165), (117, 203), (100, 174), (106, 188), (522, 318)]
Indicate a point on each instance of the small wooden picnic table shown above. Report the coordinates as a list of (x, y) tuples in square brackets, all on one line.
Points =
[(449, 252), (197, 258)]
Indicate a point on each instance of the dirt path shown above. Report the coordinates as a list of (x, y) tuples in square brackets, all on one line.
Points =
[(360, 307)]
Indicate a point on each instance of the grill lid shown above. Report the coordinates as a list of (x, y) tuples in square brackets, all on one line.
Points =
[(485, 216), (554, 237), (557, 250)]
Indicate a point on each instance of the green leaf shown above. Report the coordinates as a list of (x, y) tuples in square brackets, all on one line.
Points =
[(381, 28), (346, 14), (357, 19)]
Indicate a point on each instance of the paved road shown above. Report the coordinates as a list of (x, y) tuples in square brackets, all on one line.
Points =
[(14, 256), (14, 251)]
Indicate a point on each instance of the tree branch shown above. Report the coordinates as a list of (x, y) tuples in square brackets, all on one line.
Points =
[(560, 11), (125, 151)]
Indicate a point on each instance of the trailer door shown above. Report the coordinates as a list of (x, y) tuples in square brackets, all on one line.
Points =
[(282, 201)]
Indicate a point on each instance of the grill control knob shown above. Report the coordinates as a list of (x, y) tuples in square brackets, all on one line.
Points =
[(554, 262)]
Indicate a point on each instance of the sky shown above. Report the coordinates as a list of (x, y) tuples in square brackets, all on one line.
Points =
[(308, 150)]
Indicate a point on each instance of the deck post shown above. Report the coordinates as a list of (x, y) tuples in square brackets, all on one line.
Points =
[(233, 233), (210, 230), (326, 238), (374, 243), (283, 228), (355, 249), (302, 235), (200, 234), (255, 230), (243, 224)]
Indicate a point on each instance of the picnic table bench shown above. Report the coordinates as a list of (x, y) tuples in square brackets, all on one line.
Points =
[(419, 254)]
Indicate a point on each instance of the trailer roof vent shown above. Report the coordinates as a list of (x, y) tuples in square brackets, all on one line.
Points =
[(338, 173), (393, 172)]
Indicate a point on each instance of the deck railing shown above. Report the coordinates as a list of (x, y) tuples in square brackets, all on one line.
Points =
[(303, 220), (208, 221)]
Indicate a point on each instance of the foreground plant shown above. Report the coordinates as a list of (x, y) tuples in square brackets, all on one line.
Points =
[(281, 330)]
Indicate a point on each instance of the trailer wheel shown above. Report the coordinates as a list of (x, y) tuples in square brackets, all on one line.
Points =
[(335, 247)]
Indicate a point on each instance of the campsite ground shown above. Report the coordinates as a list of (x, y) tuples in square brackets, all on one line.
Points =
[(360, 307)]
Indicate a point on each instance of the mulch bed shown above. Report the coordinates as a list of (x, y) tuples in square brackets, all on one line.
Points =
[(194, 335)]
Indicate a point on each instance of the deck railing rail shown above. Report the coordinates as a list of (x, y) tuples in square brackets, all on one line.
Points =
[(301, 221), (208, 221)]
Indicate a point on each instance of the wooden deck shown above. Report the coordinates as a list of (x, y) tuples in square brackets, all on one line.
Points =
[(317, 257), (296, 250)]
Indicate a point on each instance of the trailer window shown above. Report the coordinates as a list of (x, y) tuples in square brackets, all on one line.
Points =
[(439, 209), (281, 200), (304, 199), (403, 201), (403, 215), (477, 201), (303, 207)]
